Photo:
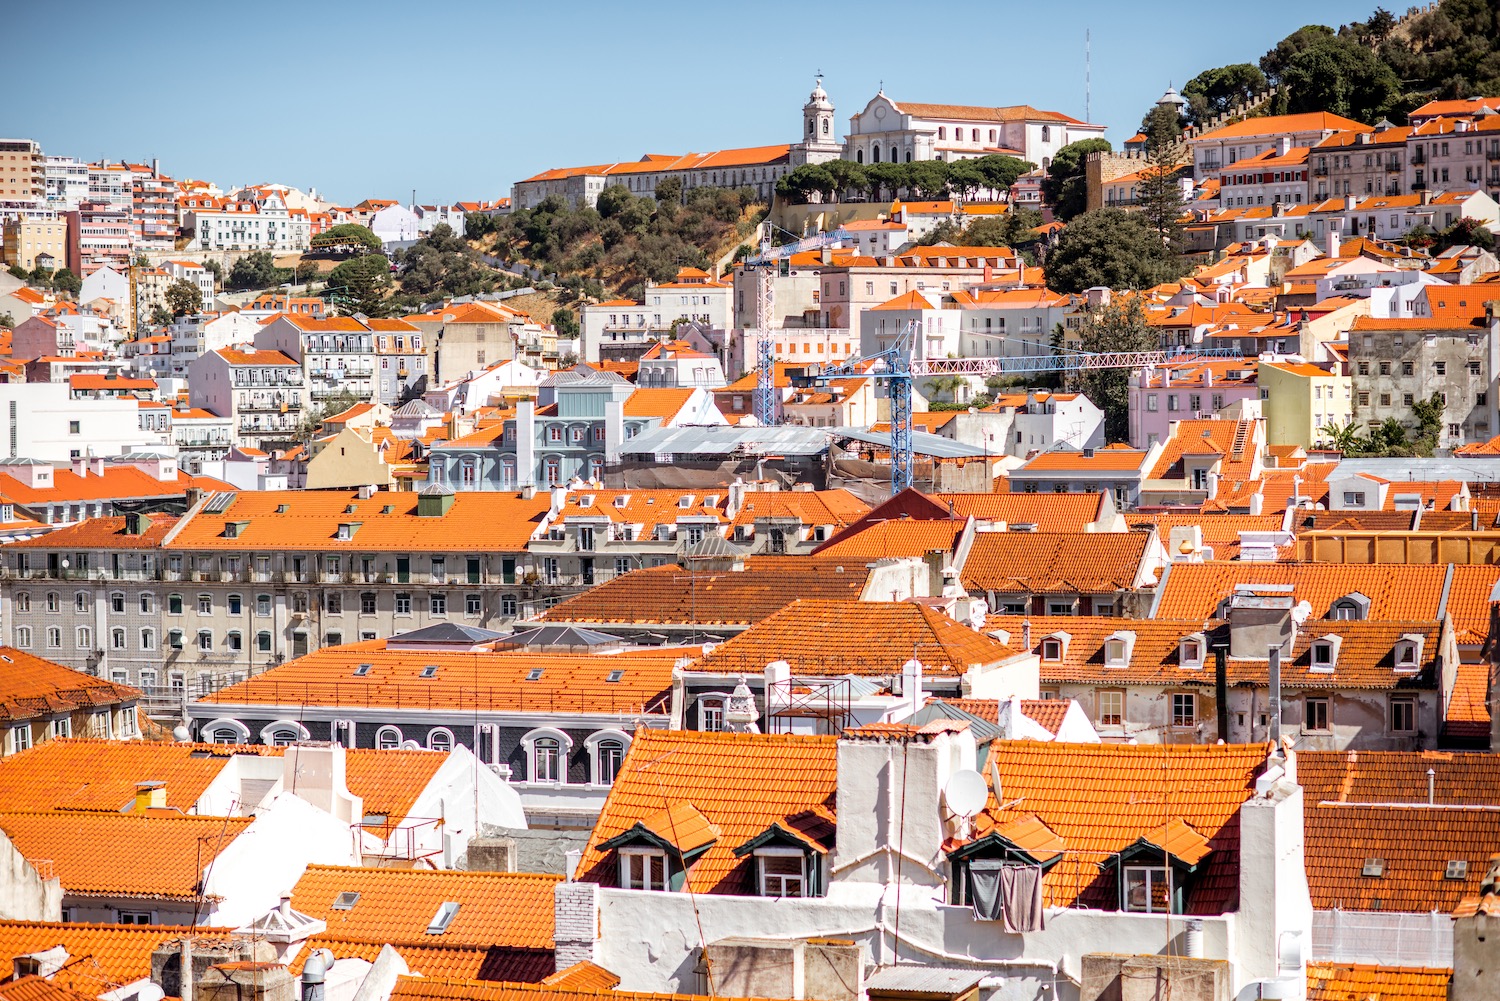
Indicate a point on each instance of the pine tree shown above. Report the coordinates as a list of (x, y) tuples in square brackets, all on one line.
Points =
[(1160, 195)]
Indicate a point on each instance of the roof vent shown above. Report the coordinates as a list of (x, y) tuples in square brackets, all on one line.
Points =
[(346, 901), (388, 509), (1373, 867), (443, 918)]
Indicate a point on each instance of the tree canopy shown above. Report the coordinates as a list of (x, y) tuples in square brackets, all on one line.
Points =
[(348, 232), (440, 264), (926, 179), (1119, 325), (363, 283), (1214, 92), (1064, 187), (183, 297), (1112, 248), (256, 271)]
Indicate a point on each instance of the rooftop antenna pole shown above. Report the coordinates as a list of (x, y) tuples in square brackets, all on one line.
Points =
[(1088, 75)]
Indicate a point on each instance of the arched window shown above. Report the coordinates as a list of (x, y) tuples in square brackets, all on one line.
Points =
[(284, 732), (388, 738), (440, 739), (1046, 133), (84, 639), (825, 126), (606, 753), (117, 639), (859, 156), (711, 711), (942, 132), (54, 602), (23, 637), (54, 637), (875, 153), (546, 754), (225, 731), (812, 126), (552, 471)]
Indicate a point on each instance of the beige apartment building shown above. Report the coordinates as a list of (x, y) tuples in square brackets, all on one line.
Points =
[(23, 173), (34, 234)]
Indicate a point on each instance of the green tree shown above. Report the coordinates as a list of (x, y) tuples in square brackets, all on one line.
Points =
[(847, 176), (64, 280), (305, 271), (1118, 326), (927, 179), (799, 185), (183, 297), (565, 321), (1466, 232), (999, 171), (16, 271), (1111, 248), (613, 200), (669, 190), (160, 316), (1274, 63), (7, 321), (349, 232), (1214, 92), (364, 283), (1342, 437), (1065, 187), (255, 271), (1159, 193), (217, 270), (1429, 415), (440, 264), (1341, 76)]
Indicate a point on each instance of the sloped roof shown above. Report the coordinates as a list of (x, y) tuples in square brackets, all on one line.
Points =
[(104, 956), (831, 638), (76, 774), (741, 783), (1036, 562), (1397, 592), (31, 688), (509, 909), (672, 594), (1360, 982), (150, 856), (1102, 798)]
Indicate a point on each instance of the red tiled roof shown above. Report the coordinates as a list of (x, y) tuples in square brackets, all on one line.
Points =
[(1333, 982), (101, 956), (1036, 562), (1397, 592)]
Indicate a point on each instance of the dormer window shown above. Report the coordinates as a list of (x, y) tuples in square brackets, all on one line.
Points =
[(643, 869), (444, 916), (622, 500), (587, 500), (1118, 648), (346, 531), (1190, 652), (1325, 653), (1353, 607), (685, 501), (1408, 652), (1055, 647)]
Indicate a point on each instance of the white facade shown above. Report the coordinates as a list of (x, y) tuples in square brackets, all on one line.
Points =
[(191, 271), (260, 224), (395, 224), (886, 131), (193, 336), (622, 324), (105, 283), (44, 423), (67, 182)]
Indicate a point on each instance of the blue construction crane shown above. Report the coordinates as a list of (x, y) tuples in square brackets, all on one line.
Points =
[(896, 367)]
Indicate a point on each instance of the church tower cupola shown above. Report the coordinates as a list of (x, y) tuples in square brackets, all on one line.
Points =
[(817, 116)]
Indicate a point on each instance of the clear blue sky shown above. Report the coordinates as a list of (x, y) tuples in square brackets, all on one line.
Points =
[(458, 99)]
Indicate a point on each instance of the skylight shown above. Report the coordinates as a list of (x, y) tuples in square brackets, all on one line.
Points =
[(1456, 869), (1373, 867), (430, 671), (281, 509), (443, 918), (346, 901), (362, 670), (615, 676), (535, 674)]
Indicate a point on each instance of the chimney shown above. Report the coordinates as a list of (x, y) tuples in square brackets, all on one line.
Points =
[(1283, 145), (314, 771), (150, 796), (1426, 196), (1349, 203), (187, 968), (80, 466), (1259, 618), (314, 975), (96, 465), (1333, 241), (1026, 633)]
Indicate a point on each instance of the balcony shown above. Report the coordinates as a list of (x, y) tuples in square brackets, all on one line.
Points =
[(1492, 153), (1320, 172), (1393, 166), (1418, 157)]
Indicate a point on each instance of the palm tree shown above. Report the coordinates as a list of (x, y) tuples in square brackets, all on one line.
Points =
[(1342, 437)]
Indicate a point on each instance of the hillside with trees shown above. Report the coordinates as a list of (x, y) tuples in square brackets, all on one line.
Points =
[(626, 240)]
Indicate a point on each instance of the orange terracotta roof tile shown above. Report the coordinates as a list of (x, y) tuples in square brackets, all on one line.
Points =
[(103, 533), (458, 961), (481, 680), (583, 976), (477, 521), (741, 783), (1102, 798), (101, 956), (1220, 532), (856, 637), (507, 909), (1111, 459), (1397, 592), (31, 687), (1048, 713), (663, 402), (429, 989), (117, 483), (671, 594), (1334, 982), (153, 856), (897, 538), (1036, 562), (1341, 838), (75, 774), (35, 988)]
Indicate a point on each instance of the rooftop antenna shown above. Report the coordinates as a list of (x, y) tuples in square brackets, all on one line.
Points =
[(1088, 72)]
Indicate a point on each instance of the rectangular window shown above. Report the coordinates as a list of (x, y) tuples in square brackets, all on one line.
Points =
[(403, 604), (1146, 889), (1184, 709), (473, 604), (1111, 703), (1316, 716), (643, 870), (1403, 714), (438, 603), (783, 875)]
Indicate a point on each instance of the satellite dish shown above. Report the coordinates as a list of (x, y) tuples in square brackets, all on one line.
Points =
[(966, 793)]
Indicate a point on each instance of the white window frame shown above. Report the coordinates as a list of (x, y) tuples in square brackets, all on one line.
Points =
[(763, 878), (290, 727), (704, 710), (209, 732), (592, 742), (441, 732), (529, 742), (635, 871), (388, 738), (1152, 873)]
